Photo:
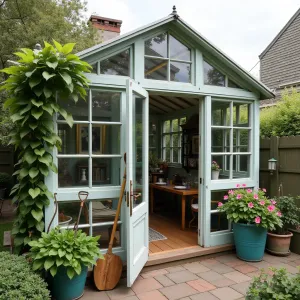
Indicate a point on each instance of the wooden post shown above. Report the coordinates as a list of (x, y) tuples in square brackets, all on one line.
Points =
[(274, 178)]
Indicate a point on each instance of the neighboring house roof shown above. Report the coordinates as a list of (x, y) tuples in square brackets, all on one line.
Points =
[(287, 25), (265, 92)]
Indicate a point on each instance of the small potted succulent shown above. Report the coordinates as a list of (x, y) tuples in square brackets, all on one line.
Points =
[(279, 239), (252, 214), (66, 255), (215, 170)]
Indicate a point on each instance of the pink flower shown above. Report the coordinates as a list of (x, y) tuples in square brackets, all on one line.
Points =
[(249, 191), (273, 202), (244, 185), (264, 190), (239, 196), (279, 214), (226, 197), (231, 192), (238, 185), (262, 202), (257, 220), (271, 208), (250, 205), (220, 204), (255, 196)]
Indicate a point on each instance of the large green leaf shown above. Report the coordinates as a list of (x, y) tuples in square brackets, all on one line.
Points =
[(37, 214), (16, 117), (47, 92), (49, 263), (67, 48), (70, 272), (39, 152), (53, 270), (33, 172), (35, 144), (44, 170), (23, 173), (36, 102), (66, 77), (36, 113), (52, 65), (24, 132), (34, 193), (34, 81), (48, 107), (47, 75), (37, 264), (30, 157)]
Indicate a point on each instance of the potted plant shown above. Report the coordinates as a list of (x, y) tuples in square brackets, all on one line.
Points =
[(252, 214), (153, 162), (279, 239), (66, 254), (63, 219), (215, 170), (295, 241), (279, 285)]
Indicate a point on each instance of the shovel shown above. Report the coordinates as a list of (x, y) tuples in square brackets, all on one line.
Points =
[(107, 272)]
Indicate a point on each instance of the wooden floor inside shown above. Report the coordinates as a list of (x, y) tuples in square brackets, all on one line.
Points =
[(176, 238)]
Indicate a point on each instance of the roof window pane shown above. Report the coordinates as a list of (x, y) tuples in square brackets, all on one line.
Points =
[(178, 50), (213, 76), (232, 84), (180, 72), (157, 46), (156, 68), (118, 64)]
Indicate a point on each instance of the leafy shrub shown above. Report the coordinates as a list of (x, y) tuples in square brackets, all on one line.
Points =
[(18, 281), (279, 286), (64, 248), (282, 119)]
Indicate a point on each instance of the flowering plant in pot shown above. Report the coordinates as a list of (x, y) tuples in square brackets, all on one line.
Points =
[(252, 214), (66, 255), (215, 170), (279, 239)]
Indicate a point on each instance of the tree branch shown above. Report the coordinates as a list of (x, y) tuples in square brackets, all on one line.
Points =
[(2, 3), (21, 18)]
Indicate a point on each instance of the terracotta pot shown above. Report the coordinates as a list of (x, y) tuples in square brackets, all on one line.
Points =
[(279, 244)]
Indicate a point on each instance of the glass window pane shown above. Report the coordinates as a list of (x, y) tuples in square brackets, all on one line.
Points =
[(167, 141), (241, 114), (166, 126), (241, 140), (106, 106), (224, 163), (178, 50), (68, 214), (118, 64), (103, 210), (78, 110), (218, 222), (95, 68), (72, 172), (241, 166), (175, 125), (175, 140), (216, 197), (106, 171), (180, 72), (68, 137), (182, 121), (220, 140), (220, 113), (156, 69), (175, 155), (105, 233), (232, 84), (157, 46), (212, 76), (102, 143), (167, 154)]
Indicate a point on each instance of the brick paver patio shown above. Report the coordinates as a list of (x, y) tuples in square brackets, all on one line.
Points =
[(223, 277)]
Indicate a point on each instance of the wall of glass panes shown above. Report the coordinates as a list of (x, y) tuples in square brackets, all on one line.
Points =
[(231, 130), (166, 58), (171, 140)]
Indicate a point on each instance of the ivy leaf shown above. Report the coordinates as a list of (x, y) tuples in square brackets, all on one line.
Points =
[(47, 76), (33, 172), (40, 226), (30, 157), (66, 77), (47, 107), (16, 117), (23, 173), (36, 113), (38, 215), (34, 81), (44, 170), (34, 193), (35, 144), (52, 65), (39, 152), (24, 131), (36, 103), (53, 167), (47, 92)]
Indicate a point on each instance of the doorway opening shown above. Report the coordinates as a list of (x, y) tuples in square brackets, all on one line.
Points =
[(174, 166)]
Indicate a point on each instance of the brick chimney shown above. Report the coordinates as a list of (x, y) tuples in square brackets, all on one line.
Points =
[(107, 28)]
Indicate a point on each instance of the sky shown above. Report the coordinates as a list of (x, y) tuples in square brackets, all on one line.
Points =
[(240, 28)]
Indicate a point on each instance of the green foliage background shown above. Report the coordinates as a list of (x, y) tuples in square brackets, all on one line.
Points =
[(282, 119), (33, 87)]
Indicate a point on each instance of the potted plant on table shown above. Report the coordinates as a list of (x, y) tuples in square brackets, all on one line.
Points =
[(215, 170), (252, 214), (279, 240), (66, 255)]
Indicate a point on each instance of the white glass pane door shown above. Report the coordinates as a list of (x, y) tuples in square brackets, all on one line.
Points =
[(137, 180)]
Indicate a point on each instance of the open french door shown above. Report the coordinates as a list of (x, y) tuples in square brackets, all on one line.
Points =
[(137, 220)]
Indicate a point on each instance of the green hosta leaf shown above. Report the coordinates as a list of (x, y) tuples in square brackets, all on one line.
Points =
[(47, 76), (53, 270), (49, 262), (69, 256), (53, 252), (34, 193), (52, 65), (37, 103), (39, 152), (66, 77), (37, 214), (34, 81), (78, 269), (33, 172), (61, 252), (30, 157), (27, 239), (70, 272), (36, 113), (59, 261), (67, 48), (37, 264)]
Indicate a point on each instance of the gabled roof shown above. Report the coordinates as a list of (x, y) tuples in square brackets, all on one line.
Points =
[(264, 90), (287, 25)]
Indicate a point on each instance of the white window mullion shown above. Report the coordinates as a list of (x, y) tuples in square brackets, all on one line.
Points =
[(90, 139)]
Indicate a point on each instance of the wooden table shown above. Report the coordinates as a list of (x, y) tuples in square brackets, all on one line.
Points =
[(170, 189)]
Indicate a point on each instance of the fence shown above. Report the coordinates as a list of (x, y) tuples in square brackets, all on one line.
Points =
[(287, 152), (7, 160)]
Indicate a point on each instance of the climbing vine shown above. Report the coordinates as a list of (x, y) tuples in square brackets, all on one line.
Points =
[(33, 86)]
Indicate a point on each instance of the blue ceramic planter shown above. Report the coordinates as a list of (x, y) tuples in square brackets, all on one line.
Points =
[(64, 288), (250, 241)]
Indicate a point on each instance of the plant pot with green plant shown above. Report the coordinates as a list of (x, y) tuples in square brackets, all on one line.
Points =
[(295, 241), (279, 239), (252, 214), (66, 255), (215, 170)]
